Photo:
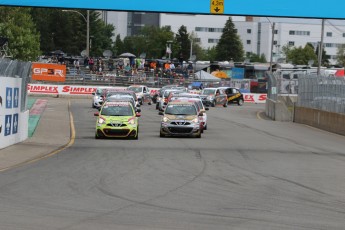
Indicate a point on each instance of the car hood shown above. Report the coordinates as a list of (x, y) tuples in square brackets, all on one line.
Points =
[(180, 117), (116, 118)]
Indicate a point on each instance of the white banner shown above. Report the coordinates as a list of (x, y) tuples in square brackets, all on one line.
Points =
[(88, 90)]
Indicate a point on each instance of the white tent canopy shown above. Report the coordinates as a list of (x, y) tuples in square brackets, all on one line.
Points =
[(204, 76)]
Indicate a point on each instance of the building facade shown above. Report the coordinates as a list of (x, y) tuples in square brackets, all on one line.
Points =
[(256, 33)]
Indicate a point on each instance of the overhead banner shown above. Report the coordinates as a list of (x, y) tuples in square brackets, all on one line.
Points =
[(48, 72), (292, 8)]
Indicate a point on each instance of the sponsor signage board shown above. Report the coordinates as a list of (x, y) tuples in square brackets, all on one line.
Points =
[(265, 8), (48, 72)]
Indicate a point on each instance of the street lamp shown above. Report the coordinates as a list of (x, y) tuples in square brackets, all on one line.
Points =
[(87, 20), (191, 49)]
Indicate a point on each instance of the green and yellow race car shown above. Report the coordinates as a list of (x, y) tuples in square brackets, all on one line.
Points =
[(117, 119)]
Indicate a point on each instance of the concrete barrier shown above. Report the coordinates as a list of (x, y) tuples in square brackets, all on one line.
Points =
[(332, 122)]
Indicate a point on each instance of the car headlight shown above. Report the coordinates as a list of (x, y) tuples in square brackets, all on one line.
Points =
[(195, 120), (165, 119), (131, 121), (101, 120)]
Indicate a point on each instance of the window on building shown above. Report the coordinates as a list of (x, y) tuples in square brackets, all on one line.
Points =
[(275, 42), (210, 29), (249, 42), (249, 31), (329, 34), (301, 33), (291, 32), (196, 39), (275, 31), (291, 43), (343, 34)]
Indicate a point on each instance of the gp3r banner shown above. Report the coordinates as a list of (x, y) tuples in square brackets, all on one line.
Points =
[(48, 72), (265, 8)]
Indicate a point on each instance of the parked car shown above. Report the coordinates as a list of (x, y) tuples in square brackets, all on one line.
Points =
[(234, 95)]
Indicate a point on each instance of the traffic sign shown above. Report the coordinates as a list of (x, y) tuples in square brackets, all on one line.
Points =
[(217, 7)]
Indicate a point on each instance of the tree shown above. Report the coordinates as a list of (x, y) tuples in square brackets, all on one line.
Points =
[(23, 39), (256, 58), (324, 58), (183, 42), (230, 45), (118, 46), (301, 56), (341, 55), (66, 31)]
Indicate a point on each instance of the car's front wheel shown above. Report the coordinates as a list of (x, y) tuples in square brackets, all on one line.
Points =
[(240, 102)]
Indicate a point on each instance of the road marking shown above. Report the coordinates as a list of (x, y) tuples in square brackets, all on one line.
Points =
[(69, 144), (258, 115)]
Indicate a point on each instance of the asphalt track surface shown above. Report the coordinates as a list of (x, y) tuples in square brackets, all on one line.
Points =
[(244, 173)]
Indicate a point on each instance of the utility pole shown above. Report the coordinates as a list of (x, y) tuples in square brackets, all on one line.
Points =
[(271, 59), (320, 48), (88, 33)]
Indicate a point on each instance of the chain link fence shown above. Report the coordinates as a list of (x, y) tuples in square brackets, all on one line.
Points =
[(19, 69), (323, 93)]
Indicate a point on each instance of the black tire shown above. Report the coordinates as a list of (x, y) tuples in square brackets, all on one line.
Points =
[(226, 104), (161, 134), (240, 102), (213, 104), (97, 137), (199, 135), (205, 128)]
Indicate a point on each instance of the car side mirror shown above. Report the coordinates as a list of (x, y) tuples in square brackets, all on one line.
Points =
[(96, 114), (201, 114), (99, 108), (94, 93), (164, 103), (160, 113), (138, 110), (207, 108), (138, 114)]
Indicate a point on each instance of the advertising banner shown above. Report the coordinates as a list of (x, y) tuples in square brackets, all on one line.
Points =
[(48, 72), (266, 8), (13, 122)]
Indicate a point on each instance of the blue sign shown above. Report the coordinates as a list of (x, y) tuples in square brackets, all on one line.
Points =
[(265, 8), (8, 98), (15, 97), (237, 73), (15, 123), (8, 124)]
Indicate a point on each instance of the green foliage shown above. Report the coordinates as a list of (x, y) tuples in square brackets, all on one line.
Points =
[(256, 58), (341, 55), (183, 43), (301, 56), (66, 31), (17, 25), (324, 58), (230, 45)]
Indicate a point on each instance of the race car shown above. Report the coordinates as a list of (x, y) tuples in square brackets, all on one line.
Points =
[(117, 119), (180, 119), (98, 96), (142, 92)]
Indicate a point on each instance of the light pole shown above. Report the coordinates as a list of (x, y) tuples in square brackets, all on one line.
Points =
[(87, 20)]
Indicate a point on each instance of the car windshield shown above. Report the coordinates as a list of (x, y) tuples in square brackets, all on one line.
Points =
[(208, 92), (181, 110), (136, 89), (117, 111)]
